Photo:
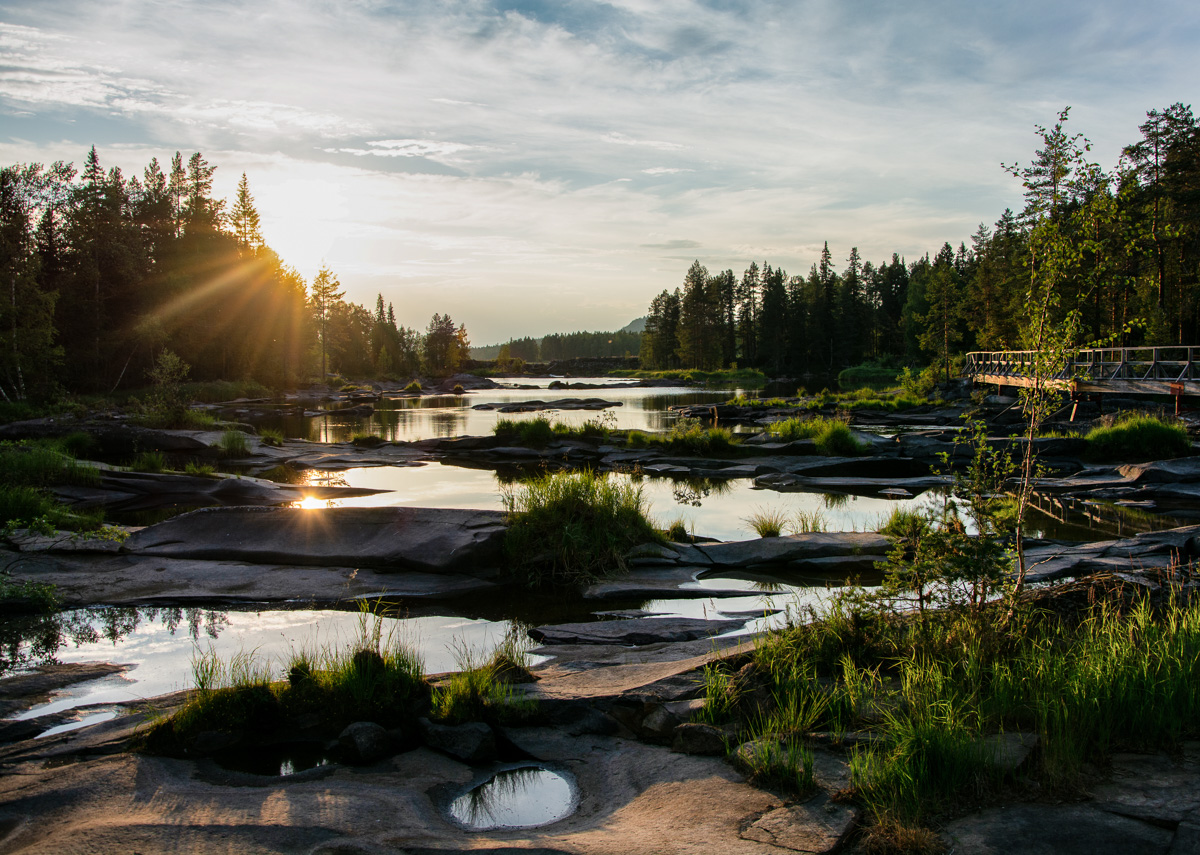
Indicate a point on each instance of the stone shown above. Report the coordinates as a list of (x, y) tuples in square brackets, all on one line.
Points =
[(780, 550), (816, 826), (634, 631), (472, 742), (364, 742), (1035, 829), (699, 738), (428, 539)]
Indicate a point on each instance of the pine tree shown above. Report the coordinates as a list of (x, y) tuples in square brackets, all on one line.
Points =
[(243, 218), (324, 295)]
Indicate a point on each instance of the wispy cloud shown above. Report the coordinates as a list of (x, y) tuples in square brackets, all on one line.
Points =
[(572, 140)]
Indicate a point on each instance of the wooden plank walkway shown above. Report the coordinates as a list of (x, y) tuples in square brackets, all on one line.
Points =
[(1113, 370)]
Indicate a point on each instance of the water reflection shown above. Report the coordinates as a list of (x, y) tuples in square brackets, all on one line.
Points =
[(693, 491), (520, 797)]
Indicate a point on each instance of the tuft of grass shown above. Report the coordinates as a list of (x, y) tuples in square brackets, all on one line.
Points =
[(414, 386), (200, 470), (806, 522), (784, 764), (677, 531), (905, 524), (1138, 437), (233, 444), (366, 440), (686, 436), (535, 432), (149, 461), (767, 523), (833, 437), (573, 527), (479, 691), (27, 472), (271, 437), (377, 678), (458, 389)]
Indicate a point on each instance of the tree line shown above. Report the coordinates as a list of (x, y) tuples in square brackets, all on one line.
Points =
[(560, 346), (1118, 251), (101, 274)]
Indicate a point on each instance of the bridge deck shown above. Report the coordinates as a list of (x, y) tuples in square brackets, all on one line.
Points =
[(1118, 370)]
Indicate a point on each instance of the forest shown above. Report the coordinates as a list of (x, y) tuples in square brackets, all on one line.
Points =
[(1116, 253), (102, 273)]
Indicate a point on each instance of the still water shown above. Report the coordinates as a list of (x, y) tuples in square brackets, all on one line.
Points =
[(410, 419)]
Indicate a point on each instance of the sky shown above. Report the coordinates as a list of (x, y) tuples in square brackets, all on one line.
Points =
[(551, 165)]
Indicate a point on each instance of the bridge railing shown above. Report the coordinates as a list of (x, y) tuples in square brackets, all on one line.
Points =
[(1177, 364)]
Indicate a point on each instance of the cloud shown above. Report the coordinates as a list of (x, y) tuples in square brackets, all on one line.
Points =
[(621, 139), (671, 244), (665, 170)]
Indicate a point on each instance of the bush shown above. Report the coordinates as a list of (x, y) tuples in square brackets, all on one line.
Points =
[(573, 527), (1138, 437)]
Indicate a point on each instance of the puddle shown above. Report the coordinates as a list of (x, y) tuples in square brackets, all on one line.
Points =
[(86, 721), (516, 797), (287, 758)]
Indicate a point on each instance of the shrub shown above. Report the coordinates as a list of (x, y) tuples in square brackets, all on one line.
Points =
[(573, 527), (1138, 437)]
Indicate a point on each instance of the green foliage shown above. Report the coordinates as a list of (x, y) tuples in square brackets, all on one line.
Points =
[(27, 471), (767, 523), (573, 528), (483, 691), (366, 440), (413, 386), (199, 470), (677, 531), (271, 437), (917, 385), (233, 444), (905, 524), (535, 432), (806, 522), (149, 461), (1138, 437), (687, 436), (376, 679), (867, 376), (833, 437), (744, 377)]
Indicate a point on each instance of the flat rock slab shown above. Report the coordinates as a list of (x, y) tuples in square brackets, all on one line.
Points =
[(781, 550), (1054, 830), (122, 580), (817, 826), (635, 631), (425, 539), (23, 691)]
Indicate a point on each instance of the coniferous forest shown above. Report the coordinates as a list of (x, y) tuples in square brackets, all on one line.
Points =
[(102, 273), (1120, 249)]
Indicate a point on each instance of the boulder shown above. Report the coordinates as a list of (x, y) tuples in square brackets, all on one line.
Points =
[(1037, 829), (472, 742), (699, 738), (816, 826), (364, 742), (427, 539)]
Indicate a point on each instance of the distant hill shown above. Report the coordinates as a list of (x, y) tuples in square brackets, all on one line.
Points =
[(636, 325)]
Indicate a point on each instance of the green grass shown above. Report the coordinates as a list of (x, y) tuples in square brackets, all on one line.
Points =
[(1138, 437), (767, 523), (538, 431), (232, 444), (366, 440), (377, 678), (573, 528), (199, 470), (677, 531), (867, 376), (904, 523), (414, 386), (1117, 675), (833, 438), (686, 436), (271, 437), (149, 461), (28, 470), (807, 522), (482, 689), (749, 377)]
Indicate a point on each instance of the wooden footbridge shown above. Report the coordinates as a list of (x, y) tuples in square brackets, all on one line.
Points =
[(1171, 371)]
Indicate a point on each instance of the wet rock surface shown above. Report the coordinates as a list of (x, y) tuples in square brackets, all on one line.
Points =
[(634, 631), (425, 539)]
